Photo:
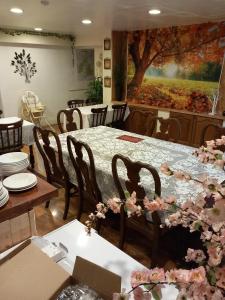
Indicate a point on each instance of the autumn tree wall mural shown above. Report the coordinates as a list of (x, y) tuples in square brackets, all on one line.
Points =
[(176, 67)]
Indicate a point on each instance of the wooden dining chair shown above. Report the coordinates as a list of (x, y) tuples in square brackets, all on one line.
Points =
[(71, 125), (133, 184), (76, 103), (136, 122), (165, 129), (11, 137), (98, 116), (212, 132), (1, 113), (118, 115), (53, 163), (86, 175)]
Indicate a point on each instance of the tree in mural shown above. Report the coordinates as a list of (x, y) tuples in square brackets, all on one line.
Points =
[(160, 46), (24, 66)]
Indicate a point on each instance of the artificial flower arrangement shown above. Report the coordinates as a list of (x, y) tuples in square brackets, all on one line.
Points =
[(205, 214)]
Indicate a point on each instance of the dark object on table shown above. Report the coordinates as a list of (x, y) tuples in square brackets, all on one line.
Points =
[(53, 162), (78, 292), (70, 124), (98, 116), (11, 137)]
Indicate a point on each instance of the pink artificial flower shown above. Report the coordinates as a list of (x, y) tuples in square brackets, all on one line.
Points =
[(164, 168), (210, 143), (220, 163), (181, 175), (220, 277), (217, 295), (170, 200), (198, 275), (154, 205), (219, 142), (156, 275), (114, 204), (216, 214), (183, 276), (215, 256), (171, 276), (140, 295), (139, 277), (195, 255)]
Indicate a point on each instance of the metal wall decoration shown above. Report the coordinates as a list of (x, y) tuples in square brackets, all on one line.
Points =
[(24, 66)]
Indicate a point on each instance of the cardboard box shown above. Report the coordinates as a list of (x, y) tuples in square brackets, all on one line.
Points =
[(27, 273)]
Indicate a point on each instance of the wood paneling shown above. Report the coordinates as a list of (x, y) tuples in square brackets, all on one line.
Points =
[(192, 124)]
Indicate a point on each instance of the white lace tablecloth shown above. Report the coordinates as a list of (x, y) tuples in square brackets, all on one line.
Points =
[(104, 144), (87, 115), (28, 138)]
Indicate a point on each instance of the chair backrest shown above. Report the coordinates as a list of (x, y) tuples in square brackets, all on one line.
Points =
[(133, 183), (85, 170), (90, 102), (52, 157), (1, 113), (98, 116), (70, 125), (166, 129), (137, 121), (30, 98), (118, 115), (11, 137), (76, 103), (212, 131)]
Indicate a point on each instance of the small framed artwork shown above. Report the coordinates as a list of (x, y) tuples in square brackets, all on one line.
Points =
[(107, 63), (107, 81), (107, 44)]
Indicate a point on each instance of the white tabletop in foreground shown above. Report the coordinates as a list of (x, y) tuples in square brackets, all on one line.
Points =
[(28, 138), (99, 251)]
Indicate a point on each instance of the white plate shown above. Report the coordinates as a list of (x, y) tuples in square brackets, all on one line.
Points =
[(19, 181), (12, 157), (23, 189), (3, 193), (5, 201)]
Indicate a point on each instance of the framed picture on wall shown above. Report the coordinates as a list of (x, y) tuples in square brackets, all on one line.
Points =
[(107, 44), (107, 81), (107, 63)]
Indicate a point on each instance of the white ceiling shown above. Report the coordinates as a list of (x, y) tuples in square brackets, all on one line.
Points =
[(65, 15)]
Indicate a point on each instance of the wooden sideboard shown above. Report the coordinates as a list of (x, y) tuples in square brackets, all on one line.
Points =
[(192, 123)]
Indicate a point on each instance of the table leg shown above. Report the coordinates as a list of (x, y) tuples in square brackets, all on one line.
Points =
[(31, 156)]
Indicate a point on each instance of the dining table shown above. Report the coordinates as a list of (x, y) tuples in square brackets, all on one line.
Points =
[(27, 134), (87, 114), (105, 142)]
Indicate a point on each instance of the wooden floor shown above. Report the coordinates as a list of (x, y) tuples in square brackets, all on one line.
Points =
[(48, 219)]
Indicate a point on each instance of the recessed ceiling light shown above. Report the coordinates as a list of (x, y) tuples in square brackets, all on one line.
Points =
[(16, 10), (154, 12), (38, 29), (86, 21)]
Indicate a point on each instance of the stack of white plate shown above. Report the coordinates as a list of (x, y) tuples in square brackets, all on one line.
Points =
[(20, 182), (13, 162), (4, 195)]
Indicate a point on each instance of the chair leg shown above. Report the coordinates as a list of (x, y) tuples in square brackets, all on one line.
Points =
[(67, 201), (155, 247), (122, 229), (98, 226), (47, 204), (80, 208)]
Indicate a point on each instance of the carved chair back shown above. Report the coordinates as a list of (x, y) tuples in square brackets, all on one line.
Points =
[(118, 115), (133, 184), (1, 113), (11, 137), (137, 121), (212, 131), (98, 116), (76, 103), (166, 129), (70, 123), (52, 158), (85, 170)]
